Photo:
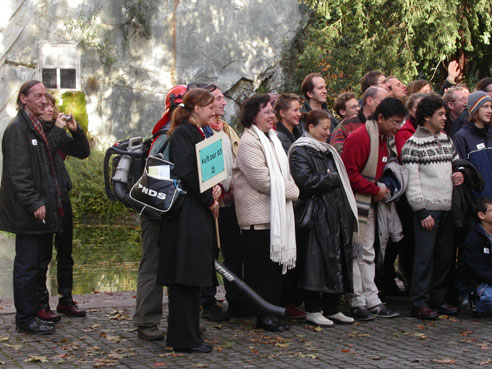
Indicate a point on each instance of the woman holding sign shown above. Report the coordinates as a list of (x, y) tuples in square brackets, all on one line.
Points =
[(264, 190), (187, 241)]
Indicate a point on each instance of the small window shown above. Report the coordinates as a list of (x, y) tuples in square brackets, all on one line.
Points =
[(67, 78), (59, 65), (49, 77)]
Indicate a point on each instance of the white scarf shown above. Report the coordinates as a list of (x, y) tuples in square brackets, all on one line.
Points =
[(282, 223)]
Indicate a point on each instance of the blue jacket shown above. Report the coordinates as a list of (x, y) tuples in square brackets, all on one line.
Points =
[(477, 255), (475, 145)]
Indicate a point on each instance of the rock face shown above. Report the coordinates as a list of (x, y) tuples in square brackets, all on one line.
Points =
[(236, 44)]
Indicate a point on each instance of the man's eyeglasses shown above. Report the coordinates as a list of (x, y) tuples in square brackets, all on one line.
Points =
[(397, 124)]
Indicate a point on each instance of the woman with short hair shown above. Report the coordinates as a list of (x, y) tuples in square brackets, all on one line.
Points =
[(264, 191)]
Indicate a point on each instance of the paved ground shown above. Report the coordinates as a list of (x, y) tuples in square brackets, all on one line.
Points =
[(107, 338)]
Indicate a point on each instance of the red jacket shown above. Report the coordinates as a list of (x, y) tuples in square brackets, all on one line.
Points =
[(405, 132), (355, 154)]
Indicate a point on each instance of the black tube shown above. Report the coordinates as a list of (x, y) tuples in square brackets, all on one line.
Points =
[(123, 197), (248, 292)]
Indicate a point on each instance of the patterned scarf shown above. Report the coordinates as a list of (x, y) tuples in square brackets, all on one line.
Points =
[(39, 128)]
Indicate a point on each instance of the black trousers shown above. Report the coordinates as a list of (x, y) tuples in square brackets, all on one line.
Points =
[(230, 244), (260, 273), (64, 260), (316, 302), (26, 270), (407, 245), (434, 253), (183, 329)]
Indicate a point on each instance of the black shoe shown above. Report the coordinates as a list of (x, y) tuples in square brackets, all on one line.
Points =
[(204, 348), (214, 313), (267, 323), (37, 327), (361, 313), (281, 325)]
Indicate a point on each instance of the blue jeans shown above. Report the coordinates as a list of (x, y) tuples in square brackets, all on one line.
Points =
[(484, 298)]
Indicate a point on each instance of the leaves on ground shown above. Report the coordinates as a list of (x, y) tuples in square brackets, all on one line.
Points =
[(4, 338), (15, 347), (36, 359)]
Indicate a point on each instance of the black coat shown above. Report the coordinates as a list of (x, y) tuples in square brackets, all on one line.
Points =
[(463, 198), (187, 241), (327, 247), (286, 138), (27, 179), (63, 144)]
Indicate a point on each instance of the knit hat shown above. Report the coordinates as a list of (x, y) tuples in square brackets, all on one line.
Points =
[(475, 101)]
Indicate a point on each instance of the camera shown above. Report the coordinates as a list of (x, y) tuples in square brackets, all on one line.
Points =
[(68, 118)]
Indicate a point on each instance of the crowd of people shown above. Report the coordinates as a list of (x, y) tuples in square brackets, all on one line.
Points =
[(317, 205)]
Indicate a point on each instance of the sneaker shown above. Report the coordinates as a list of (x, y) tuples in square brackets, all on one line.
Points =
[(318, 319), (150, 333), (361, 313), (383, 312), (214, 313), (341, 318), (293, 312)]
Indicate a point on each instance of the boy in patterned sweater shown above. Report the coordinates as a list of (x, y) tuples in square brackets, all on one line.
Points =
[(428, 155)]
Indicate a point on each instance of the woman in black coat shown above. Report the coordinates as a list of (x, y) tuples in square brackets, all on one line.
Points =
[(324, 246), (186, 260)]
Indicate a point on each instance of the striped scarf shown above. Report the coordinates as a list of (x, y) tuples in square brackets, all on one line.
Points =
[(39, 128)]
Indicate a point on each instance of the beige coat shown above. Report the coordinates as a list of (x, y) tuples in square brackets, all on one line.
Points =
[(251, 178)]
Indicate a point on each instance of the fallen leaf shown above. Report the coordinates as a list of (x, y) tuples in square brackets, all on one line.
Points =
[(488, 361), (199, 365), (345, 350), (376, 357), (444, 361), (104, 362), (287, 344), (15, 347), (314, 328), (159, 364), (171, 354), (4, 338), (3, 362), (421, 326), (36, 359), (466, 333)]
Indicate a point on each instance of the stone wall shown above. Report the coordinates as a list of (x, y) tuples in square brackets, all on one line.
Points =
[(237, 44)]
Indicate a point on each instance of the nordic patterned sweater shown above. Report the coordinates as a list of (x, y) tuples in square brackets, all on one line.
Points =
[(428, 158)]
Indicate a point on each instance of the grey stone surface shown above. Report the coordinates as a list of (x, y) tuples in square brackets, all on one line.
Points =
[(106, 337)]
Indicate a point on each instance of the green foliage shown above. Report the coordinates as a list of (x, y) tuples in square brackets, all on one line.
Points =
[(87, 29), (138, 13), (74, 103), (88, 194), (407, 38)]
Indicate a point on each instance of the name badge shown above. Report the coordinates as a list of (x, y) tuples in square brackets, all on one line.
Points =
[(384, 159), (486, 250), (34, 142), (481, 146)]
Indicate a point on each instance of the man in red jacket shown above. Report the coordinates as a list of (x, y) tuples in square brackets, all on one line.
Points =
[(366, 152)]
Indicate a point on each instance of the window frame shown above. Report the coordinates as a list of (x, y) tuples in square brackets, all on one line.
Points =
[(66, 63)]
